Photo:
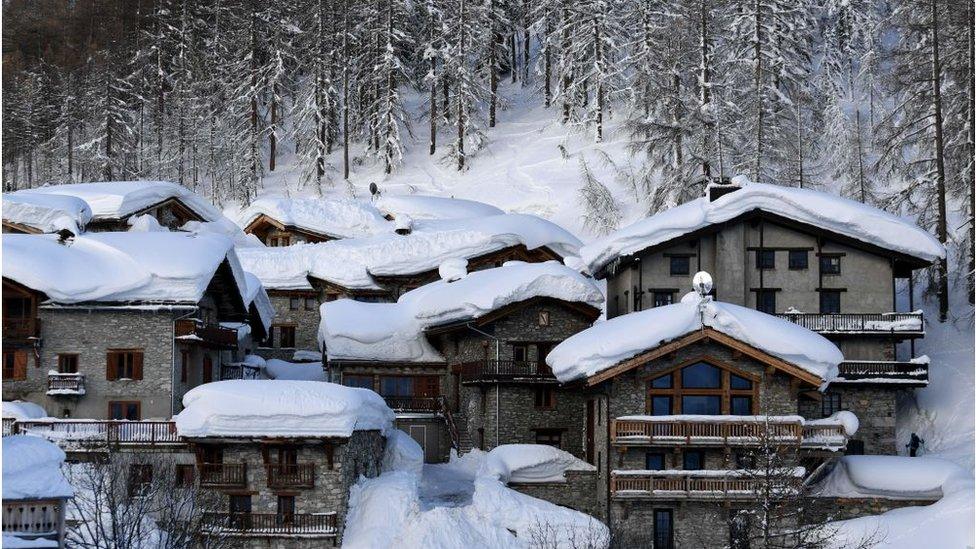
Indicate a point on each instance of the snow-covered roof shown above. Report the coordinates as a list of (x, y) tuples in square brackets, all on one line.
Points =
[(890, 477), (334, 217), (354, 330), (32, 469), (22, 410), (606, 344), (46, 213), (120, 267), (254, 294), (277, 408), (117, 199), (531, 463), (353, 262), (826, 211), (418, 206)]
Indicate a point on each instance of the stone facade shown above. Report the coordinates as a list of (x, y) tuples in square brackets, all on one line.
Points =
[(876, 410), (298, 310), (848, 508), (576, 492)]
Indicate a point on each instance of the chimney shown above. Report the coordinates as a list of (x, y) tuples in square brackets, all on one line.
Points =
[(720, 187), (402, 224)]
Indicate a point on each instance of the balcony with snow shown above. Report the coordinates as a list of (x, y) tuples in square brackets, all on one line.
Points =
[(703, 485), (35, 493), (65, 384), (191, 330), (895, 325)]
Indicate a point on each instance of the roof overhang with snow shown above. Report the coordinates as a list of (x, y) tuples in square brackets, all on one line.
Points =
[(266, 221), (589, 312)]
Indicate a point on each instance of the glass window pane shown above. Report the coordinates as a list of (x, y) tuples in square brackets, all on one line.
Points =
[(741, 406), (661, 406), (663, 382), (701, 405), (701, 376), (680, 265), (693, 460), (654, 461), (799, 259), (829, 302), (739, 382)]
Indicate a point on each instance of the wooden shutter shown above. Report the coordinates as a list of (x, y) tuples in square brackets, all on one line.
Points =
[(112, 366), (137, 365)]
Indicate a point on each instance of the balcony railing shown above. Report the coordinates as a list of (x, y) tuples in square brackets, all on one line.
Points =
[(725, 431), (291, 475), (239, 371), (868, 371), (422, 404), (17, 329), (9, 426), (65, 384), (189, 329), (859, 323), (223, 475), (32, 517), (271, 524), (506, 370), (99, 432), (699, 485)]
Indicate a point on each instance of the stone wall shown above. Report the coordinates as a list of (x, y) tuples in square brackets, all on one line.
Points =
[(577, 492), (696, 525), (875, 408), (848, 508), (305, 321)]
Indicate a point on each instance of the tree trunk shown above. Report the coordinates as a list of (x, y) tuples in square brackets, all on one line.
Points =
[(433, 79), (547, 62), (346, 60), (460, 98), (941, 229), (757, 59), (971, 176), (492, 62), (567, 79), (705, 84)]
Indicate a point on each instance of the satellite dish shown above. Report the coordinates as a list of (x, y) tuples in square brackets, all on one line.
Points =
[(373, 189), (702, 283)]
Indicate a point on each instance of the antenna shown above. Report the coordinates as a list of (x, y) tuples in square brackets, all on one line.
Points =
[(702, 283)]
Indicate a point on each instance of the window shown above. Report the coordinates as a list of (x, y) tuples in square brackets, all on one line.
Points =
[(286, 509), (766, 301), (549, 437), (663, 382), (140, 479), (545, 398), (286, 337), (830, 404), (16, 308), (311, 304), (765, 259), (520, 352), (741, 406), (701, 375), (68, 364), (543, 318), (737, 382), (701, 405), (661, 406), (855, 448), (14, 364), (663, 529), (745, 460), (654, 461), (829, 301), (125, 409), (830, 264), (693, 460), (680, 265), (294, 303), (363, 382), (799, 260), (184, 366), (123, 364), (409, 386), (662, 298), (240, 503), (185, 473)]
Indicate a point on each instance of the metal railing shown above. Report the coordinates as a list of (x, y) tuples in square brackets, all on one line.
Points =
[(99, 432), (428, 404), (70, 383), (697, 486), (291, 475), (223, 475), (271, 523), (873, 323), (506, 370), (852, 370), (212, 334)]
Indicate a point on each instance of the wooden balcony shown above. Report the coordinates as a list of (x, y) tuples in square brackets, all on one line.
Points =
[(415, 404), (272, 524), (98, 433), (65, 384), (508, 371), (223, 475), (21, 330), (891, 324), (34, 518), (291, 475), (867, 372), (192, 330), (697, 485), (725, 431)]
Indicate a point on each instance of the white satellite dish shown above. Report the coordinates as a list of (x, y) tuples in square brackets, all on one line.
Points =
[(702, 283)]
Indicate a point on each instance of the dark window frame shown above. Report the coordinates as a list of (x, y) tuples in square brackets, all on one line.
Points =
[(545, 398), (830, 264), (655, 455), (766, 259), (762, 305), (661, 298), (830, 403), (125, 407), (68, 363), (830, 302), (549, 437), (698, 454), (139, 480), (794, 260), (676, 261), (286, 334)]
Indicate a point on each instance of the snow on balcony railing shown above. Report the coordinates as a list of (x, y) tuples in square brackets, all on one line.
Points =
[(704, 484), (915, 371), (271, 524), (36, 518), (869, 323), (86, 432), (59, 384), (727, 430)]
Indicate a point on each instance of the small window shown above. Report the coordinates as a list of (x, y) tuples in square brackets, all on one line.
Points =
[(741, 406), (660, 406), (363, 382), (705, 405), (680, 265), (543, 318), (124, 364), (830, 264), (766, 301), (184, 475), (799, 260), (663, 298), (739, 383), (765, 259), (311, 304), (693, 460), (545, 398), (295, 303), (520, 353), (239, 503), (654, 461), (701, 375), (14, 364), (140, 479), (68, 364), (125, 409), (663, 382), (830, 404), (549, 437), (829, 302), (286, 337)]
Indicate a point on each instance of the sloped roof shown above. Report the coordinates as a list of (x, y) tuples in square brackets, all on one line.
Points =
[(332, 217)]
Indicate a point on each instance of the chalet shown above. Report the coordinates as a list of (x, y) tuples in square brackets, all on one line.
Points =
[(382, 267), (35, 493), (686, 403), (462, 360), (820, 261), (121, 325), (104, 206), (285, 453)]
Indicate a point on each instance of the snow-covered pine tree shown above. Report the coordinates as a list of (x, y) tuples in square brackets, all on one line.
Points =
[(465, 23), (392, 69)]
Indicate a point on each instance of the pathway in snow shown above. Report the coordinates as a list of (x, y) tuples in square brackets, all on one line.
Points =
[(444, 485)]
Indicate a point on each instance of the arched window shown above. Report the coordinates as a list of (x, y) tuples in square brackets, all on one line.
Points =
[(702, 387)]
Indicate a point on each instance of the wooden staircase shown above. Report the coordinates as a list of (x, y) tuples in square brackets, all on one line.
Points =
[(457, 426)]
